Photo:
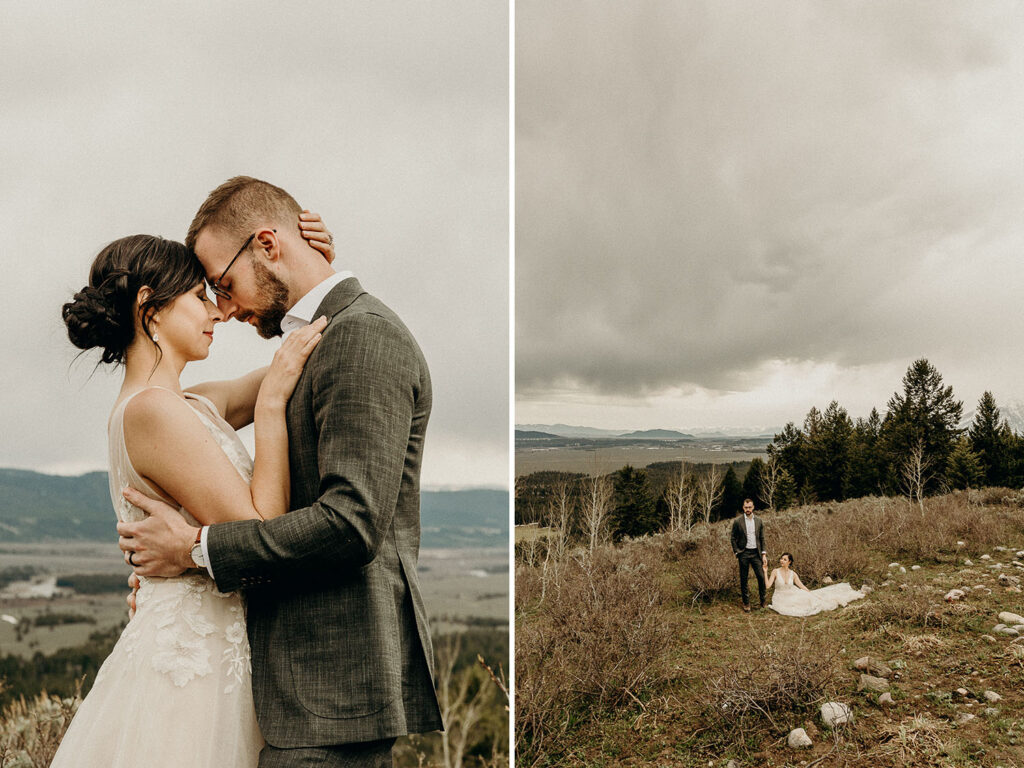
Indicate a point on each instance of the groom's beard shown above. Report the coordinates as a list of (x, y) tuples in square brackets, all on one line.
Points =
[(275, 294)]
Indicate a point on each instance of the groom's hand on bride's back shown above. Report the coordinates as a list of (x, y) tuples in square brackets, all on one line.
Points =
[(160, 544)]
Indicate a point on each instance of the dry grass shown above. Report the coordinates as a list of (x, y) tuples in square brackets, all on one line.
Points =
[(598, 640), (32, 730), (737, 682), (772, 681)]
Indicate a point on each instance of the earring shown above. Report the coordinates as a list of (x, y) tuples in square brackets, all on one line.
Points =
[(156, 338)]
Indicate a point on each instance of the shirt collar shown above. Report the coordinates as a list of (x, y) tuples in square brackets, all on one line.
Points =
[(301, 313)]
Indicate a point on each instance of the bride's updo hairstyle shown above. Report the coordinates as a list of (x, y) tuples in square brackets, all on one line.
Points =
[(103, 313), (786, 554)]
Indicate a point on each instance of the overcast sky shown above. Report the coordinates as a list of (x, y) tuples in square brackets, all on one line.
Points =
[(727, 212), (388, 118)]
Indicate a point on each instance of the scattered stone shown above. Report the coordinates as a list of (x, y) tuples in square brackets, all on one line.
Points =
[(963, 692), (990, 712), (872, 666), (1011, 618), (1009, 581), (988, 638), (1002, 629), (903, 587), (886, 699), (827, 580), (1017, 563), (964, 717), (886, 583), (798, 738), (955, 595), (992, 697), (915, 567), (902, 569), (1020, 554), (986, 557), (894, 565), (968, 563), (1000, 549), (835, 713), (961, 543), (866, 589), (872, 683)]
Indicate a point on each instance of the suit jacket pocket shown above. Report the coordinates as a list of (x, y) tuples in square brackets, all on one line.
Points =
[(345, 667)]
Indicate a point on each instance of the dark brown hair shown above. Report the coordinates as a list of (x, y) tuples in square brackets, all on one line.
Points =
[(102, 314)]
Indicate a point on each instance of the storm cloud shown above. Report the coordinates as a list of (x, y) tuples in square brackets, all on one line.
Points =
[(704, 189)]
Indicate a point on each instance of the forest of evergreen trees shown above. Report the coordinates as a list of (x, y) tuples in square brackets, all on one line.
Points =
[(916, 449)]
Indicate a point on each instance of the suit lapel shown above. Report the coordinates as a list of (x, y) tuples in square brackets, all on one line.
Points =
[(339, 298)]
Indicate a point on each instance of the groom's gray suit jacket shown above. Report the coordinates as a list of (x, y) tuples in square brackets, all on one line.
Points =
[(340, 643), (739, 535)]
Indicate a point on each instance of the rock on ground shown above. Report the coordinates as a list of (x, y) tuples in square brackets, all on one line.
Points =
[(1011, 618), (992, 697), (798, 738), (871, 683), (835, 713), (955, 595), (886, 699), (872, 666)]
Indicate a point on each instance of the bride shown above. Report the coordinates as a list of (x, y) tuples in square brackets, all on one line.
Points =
[(176, 689), (792, 598)]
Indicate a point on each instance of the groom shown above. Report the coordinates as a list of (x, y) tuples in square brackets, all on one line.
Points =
[(341, 650), (748, 546)]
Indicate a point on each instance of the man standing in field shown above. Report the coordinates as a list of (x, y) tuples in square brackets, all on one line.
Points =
[(748, 546)]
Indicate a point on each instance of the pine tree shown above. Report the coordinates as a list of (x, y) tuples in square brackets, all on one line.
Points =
[(787, 449), (964, 469), (785, 493), (753, 485), (828, 440), (924, 414), (634, 513), (732, 496), (990, 442), (867, 460)]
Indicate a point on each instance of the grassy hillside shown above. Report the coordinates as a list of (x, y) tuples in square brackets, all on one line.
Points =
[(640, 654), (35, 507)]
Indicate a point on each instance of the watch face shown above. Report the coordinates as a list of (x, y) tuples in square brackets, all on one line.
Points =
[(197, 555)]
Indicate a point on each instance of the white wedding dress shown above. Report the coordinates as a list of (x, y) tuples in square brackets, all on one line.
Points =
[(176, 689), (790, 600)]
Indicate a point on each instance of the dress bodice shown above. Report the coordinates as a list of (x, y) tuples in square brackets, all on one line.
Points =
[(122, 473), (784, 584)]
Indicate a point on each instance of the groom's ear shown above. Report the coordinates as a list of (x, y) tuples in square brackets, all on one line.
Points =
[(267, 244)]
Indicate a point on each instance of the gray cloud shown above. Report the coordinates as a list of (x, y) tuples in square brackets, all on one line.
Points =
[(703, 187), (389, 118)]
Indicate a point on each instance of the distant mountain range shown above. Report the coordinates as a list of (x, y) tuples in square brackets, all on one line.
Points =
[(36, 507), (535, 431), (658, 434), (1012, 412)]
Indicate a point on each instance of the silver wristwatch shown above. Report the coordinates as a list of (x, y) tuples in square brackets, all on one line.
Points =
[(197, 551)]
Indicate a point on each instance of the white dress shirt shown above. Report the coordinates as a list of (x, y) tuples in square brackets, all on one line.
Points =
[(751, 539), (300, 315)]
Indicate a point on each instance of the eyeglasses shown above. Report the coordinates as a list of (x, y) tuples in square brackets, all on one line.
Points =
[(215, 285)]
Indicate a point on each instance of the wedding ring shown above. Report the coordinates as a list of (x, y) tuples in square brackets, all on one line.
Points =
[(131, 562), (330, 239)]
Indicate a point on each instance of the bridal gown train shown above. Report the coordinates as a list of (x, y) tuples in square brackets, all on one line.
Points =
[(176, 689), (790, 600)]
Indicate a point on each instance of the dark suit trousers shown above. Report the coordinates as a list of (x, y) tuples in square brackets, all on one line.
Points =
[(369, 754), (749, 558)]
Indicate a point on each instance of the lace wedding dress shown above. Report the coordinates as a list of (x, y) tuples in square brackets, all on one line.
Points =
[(176, 690), (790, 600)]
